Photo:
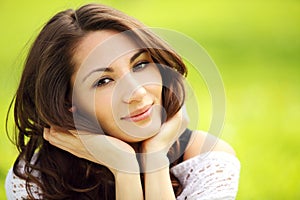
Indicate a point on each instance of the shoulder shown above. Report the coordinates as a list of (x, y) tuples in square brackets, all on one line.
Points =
[(201, 142), (210, 169), (15, 187)]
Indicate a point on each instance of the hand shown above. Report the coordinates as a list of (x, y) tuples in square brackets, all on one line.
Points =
[(155, 160), (168, 134), (105, 150)]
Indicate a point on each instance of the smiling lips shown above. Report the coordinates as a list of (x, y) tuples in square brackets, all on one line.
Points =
[(139, 114)]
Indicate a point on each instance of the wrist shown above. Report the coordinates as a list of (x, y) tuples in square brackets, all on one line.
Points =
[(125, 191), (128, 170), (154, 161), (154, 148), (123, 176), (158, 184)]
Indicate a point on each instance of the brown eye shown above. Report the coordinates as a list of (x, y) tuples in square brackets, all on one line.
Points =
[(102, 82)]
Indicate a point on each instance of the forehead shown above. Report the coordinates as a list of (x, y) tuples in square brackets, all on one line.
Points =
[(102, 46)]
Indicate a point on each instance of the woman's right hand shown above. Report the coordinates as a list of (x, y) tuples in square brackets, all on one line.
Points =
[(111, 152)]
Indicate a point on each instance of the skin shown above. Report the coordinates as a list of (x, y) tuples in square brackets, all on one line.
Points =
[(120, 87), (112, 105)]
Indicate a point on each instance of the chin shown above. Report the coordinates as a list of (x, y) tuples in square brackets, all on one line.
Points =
[(139, 131), (136, 136)]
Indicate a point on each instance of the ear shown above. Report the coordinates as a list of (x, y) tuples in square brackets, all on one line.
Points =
[(73, 109)]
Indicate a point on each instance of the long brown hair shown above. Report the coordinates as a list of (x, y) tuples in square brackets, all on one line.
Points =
[(42, 99)]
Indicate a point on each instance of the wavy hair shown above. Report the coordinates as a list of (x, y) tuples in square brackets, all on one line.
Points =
[(42, 98)]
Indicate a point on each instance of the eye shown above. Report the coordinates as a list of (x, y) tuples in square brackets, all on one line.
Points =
[(102, 82), (140, 66)]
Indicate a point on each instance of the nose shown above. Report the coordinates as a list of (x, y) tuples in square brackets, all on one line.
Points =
[(133, 91)]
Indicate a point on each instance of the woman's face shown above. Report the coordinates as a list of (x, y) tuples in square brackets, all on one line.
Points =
[(118, 85)]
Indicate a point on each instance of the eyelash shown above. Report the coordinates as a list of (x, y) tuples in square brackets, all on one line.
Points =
[(138, 67), (102, 82)]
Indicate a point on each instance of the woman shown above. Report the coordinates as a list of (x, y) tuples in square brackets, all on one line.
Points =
[(102, 73)]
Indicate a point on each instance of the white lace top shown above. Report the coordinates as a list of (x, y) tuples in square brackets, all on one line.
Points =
[(212, 176)]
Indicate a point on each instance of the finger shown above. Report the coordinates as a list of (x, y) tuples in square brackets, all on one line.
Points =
[(174, 123), (70, 143), (78, 133), (185, 119), (62, 140), (46, 133), (180, 121), (173, 128)]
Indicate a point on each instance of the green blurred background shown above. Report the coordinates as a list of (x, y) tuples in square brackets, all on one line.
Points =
[(255, 45)]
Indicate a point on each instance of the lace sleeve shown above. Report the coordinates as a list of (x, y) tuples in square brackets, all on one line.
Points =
[(213, 175), (16, 187)]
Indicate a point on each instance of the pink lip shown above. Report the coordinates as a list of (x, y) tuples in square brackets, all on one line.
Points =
[(139, 114)]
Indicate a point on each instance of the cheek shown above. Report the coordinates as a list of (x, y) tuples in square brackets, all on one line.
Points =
[(152, 82), (95, 105), (103, 106), (155, 91), (157, 88)]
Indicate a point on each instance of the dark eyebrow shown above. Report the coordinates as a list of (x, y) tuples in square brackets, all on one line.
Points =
[(137, 54), (107, 69)]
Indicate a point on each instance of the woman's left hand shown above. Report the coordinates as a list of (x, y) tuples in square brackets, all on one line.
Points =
[(155, 163), (168, 134)]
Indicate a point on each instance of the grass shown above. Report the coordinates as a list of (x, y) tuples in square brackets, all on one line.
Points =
[(256, 47)]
